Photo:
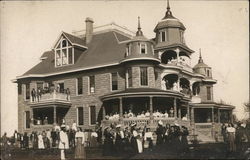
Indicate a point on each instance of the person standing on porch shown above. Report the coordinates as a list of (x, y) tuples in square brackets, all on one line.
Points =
[(64, 141), (80, 140)]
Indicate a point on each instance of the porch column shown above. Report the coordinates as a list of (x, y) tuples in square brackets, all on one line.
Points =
[(103, 112), (212, 110), (213, 127), (218, 115), (177, 54), (175, 108), (192, 114), (120, 109), (179, 112), (188, 116), (54, 116), (151, 107), (31, 118)]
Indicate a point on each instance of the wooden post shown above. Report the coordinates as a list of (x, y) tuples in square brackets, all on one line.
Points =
[(120, 109), (103, 112), (179, 112), (54, 115), (218, 115), (151, 107), (175, 108), (212, 110)]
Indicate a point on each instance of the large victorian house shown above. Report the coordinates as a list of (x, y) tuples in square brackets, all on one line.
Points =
[(109, 72)]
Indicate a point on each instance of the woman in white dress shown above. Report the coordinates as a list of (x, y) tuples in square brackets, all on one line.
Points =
[(40, 141), (64, 141)]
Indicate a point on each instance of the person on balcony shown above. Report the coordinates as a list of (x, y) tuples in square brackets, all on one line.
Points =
[(33, 94), (116, 115), (147, 114), (130, 114), (159, 133), (175, 86), (171, 114), (125, 115), (39, 94), (68, 94), (45, 121), (184, 118), (157, 114), (165, 114)]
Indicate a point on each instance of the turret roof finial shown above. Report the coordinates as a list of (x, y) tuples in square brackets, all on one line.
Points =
[(168, 13), (139, 32), (200, 58)]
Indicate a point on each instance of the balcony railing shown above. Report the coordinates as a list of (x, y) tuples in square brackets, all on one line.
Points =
[(146, 121), (180, 64), (53, 96)]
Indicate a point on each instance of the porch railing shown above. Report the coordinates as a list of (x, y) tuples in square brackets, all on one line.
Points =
[(146, 121)]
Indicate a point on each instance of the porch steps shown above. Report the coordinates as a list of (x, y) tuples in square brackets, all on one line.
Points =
[(204, 137)]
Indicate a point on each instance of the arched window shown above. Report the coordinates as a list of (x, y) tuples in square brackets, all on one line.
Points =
[(64, 53)]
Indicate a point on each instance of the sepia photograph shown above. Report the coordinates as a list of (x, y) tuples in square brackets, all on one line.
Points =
[(106, 79)]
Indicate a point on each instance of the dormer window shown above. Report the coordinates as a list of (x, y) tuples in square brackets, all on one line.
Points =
[(64, 53), (143, 49), (182, 36)]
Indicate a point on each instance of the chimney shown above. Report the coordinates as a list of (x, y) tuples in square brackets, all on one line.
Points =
[(89, 29)]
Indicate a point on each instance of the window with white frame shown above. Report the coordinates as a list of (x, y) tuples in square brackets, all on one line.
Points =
[(182, 36), (91, 84), (163, 36), (64, 53), (114, 81), (129, 77), (143, 48), (92, 110), (79, 85), (144, 76), (80, 118)]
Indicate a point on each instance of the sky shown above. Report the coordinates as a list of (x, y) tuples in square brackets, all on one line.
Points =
[(219, 28)]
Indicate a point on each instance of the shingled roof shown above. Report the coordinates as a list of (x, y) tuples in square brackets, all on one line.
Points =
[(104, 49)]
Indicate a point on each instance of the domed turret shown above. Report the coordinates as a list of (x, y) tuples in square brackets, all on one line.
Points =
[(140, 48), (202, 68), (169, 31)]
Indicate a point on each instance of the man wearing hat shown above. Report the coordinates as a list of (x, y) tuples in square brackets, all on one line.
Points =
[(159, 132), (119, 136), (64, 141)]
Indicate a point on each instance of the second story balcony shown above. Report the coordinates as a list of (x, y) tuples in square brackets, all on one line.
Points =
[(50, 97)]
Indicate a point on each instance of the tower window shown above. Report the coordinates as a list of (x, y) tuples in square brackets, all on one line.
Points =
[(144, 76), (114, 81), (208, 73), (92, 84), (143, 48), (129, 77), (209, 96), (163, 36), (181, 36)]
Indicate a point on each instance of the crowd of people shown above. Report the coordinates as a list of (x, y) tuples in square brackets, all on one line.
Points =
[(144, 114), (60, 137), (134, 139), (235, 135)]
